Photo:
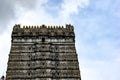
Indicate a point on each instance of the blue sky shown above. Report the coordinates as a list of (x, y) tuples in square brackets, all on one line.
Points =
[(96, 25)]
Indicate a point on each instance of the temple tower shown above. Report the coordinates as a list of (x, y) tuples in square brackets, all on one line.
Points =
[(43, 53)]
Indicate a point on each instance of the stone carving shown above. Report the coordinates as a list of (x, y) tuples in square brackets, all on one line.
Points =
[(43, 53), (43, 30)]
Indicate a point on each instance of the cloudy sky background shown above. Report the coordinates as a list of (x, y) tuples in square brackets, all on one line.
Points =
[(96, 25)]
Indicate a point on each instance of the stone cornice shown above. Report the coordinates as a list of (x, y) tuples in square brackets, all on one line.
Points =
[(19, 30)]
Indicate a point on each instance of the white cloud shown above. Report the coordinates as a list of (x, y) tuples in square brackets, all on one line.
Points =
[(4, 51), (39, 15), (99, 69), (71, 7), (6, 14)]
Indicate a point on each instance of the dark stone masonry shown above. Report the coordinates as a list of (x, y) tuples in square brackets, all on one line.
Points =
[(43, 53)]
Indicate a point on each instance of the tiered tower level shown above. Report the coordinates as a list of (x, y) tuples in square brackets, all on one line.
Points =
[(43, 53)]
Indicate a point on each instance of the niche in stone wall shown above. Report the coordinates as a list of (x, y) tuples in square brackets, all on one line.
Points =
[(43, 39)]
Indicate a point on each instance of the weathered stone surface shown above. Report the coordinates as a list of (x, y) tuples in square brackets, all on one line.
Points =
[(43, 53)]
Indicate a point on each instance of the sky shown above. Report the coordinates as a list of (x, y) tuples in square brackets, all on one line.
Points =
[(96, 25)]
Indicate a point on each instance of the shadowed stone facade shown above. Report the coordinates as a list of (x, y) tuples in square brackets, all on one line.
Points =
[(43, 53)]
